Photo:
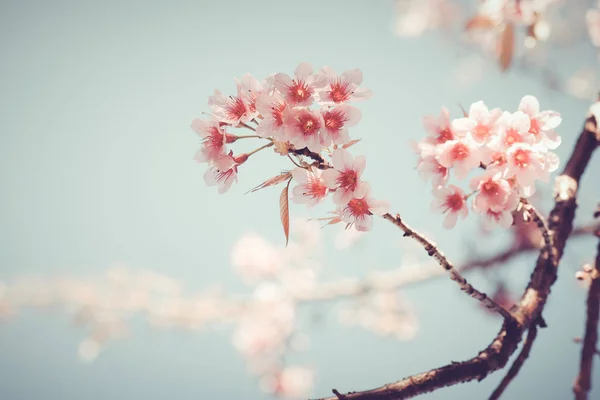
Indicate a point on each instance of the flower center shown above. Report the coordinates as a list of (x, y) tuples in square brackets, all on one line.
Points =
[(315, 188), (334, 121), (358, 207), (459, 152), (490, 188), (521, 158), (534, 127), (339, 91), (347, 180), (481, 131), (300, 91), (308, 125), (444, 135), (454, 202), (236, 108), (512, 137)]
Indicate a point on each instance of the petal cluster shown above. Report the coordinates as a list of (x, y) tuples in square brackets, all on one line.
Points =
[(507, 152), (305, 117)]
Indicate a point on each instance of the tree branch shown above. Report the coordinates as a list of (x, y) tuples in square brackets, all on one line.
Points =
[(583, 382), (532, 303), (516, 367), (434, 252)]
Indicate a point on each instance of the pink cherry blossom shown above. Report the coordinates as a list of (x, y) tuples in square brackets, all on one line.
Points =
[(300, 90), (213, 140), (249, 89), (542, 123), (344, 177), (493, 191), (223, 173), (481, 123), (525, 165), (504, 218), (342, 88), (512, 128), (430, 168), (231, 110), (462, 154), (358, 212), (311, 188), (450, 200), (271, 108), (439, 128), (336, 120), (304, 128)]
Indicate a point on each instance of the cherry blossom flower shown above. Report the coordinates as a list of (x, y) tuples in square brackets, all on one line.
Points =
[(213, 140), (345, 175), (463, 154), (342, 88), (480, 123), (224, 172), (271, 108), (501, 217), (512, 128), (450, 200), (336, 120), (231, 110), (358, 212), (304, 128), (493, 191), (249, 89), (439, 128), (430, 168), (542, 124), (311, 188), (525, 165), (300, 90)]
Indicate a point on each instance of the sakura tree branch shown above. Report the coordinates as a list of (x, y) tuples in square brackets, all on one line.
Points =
[(434, 252), (516, 367), (529, 310), (519, 248), (583, 382)]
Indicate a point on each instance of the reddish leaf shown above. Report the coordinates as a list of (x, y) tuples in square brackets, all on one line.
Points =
[(351, 143), (284, 211), (272, 181), (480, 22), (506, 44)]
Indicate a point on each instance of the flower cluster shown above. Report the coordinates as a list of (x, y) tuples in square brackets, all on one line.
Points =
[(304, 117), (513, 150)]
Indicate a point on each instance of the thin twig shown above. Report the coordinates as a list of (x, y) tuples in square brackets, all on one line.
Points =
[(434, 252), (516, 367)]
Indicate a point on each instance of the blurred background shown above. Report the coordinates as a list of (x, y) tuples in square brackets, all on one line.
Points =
[(124, 276)]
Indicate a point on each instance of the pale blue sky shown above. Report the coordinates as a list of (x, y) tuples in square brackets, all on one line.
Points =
[(96, 168)]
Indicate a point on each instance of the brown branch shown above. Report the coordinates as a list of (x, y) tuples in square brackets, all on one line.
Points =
[(516, 367), (532, 303), (583, 382), (434, 252)]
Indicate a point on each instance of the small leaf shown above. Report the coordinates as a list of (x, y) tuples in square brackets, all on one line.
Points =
[(284, 212), (272, 181), (351, 143), (506, 46), (480, 22)]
